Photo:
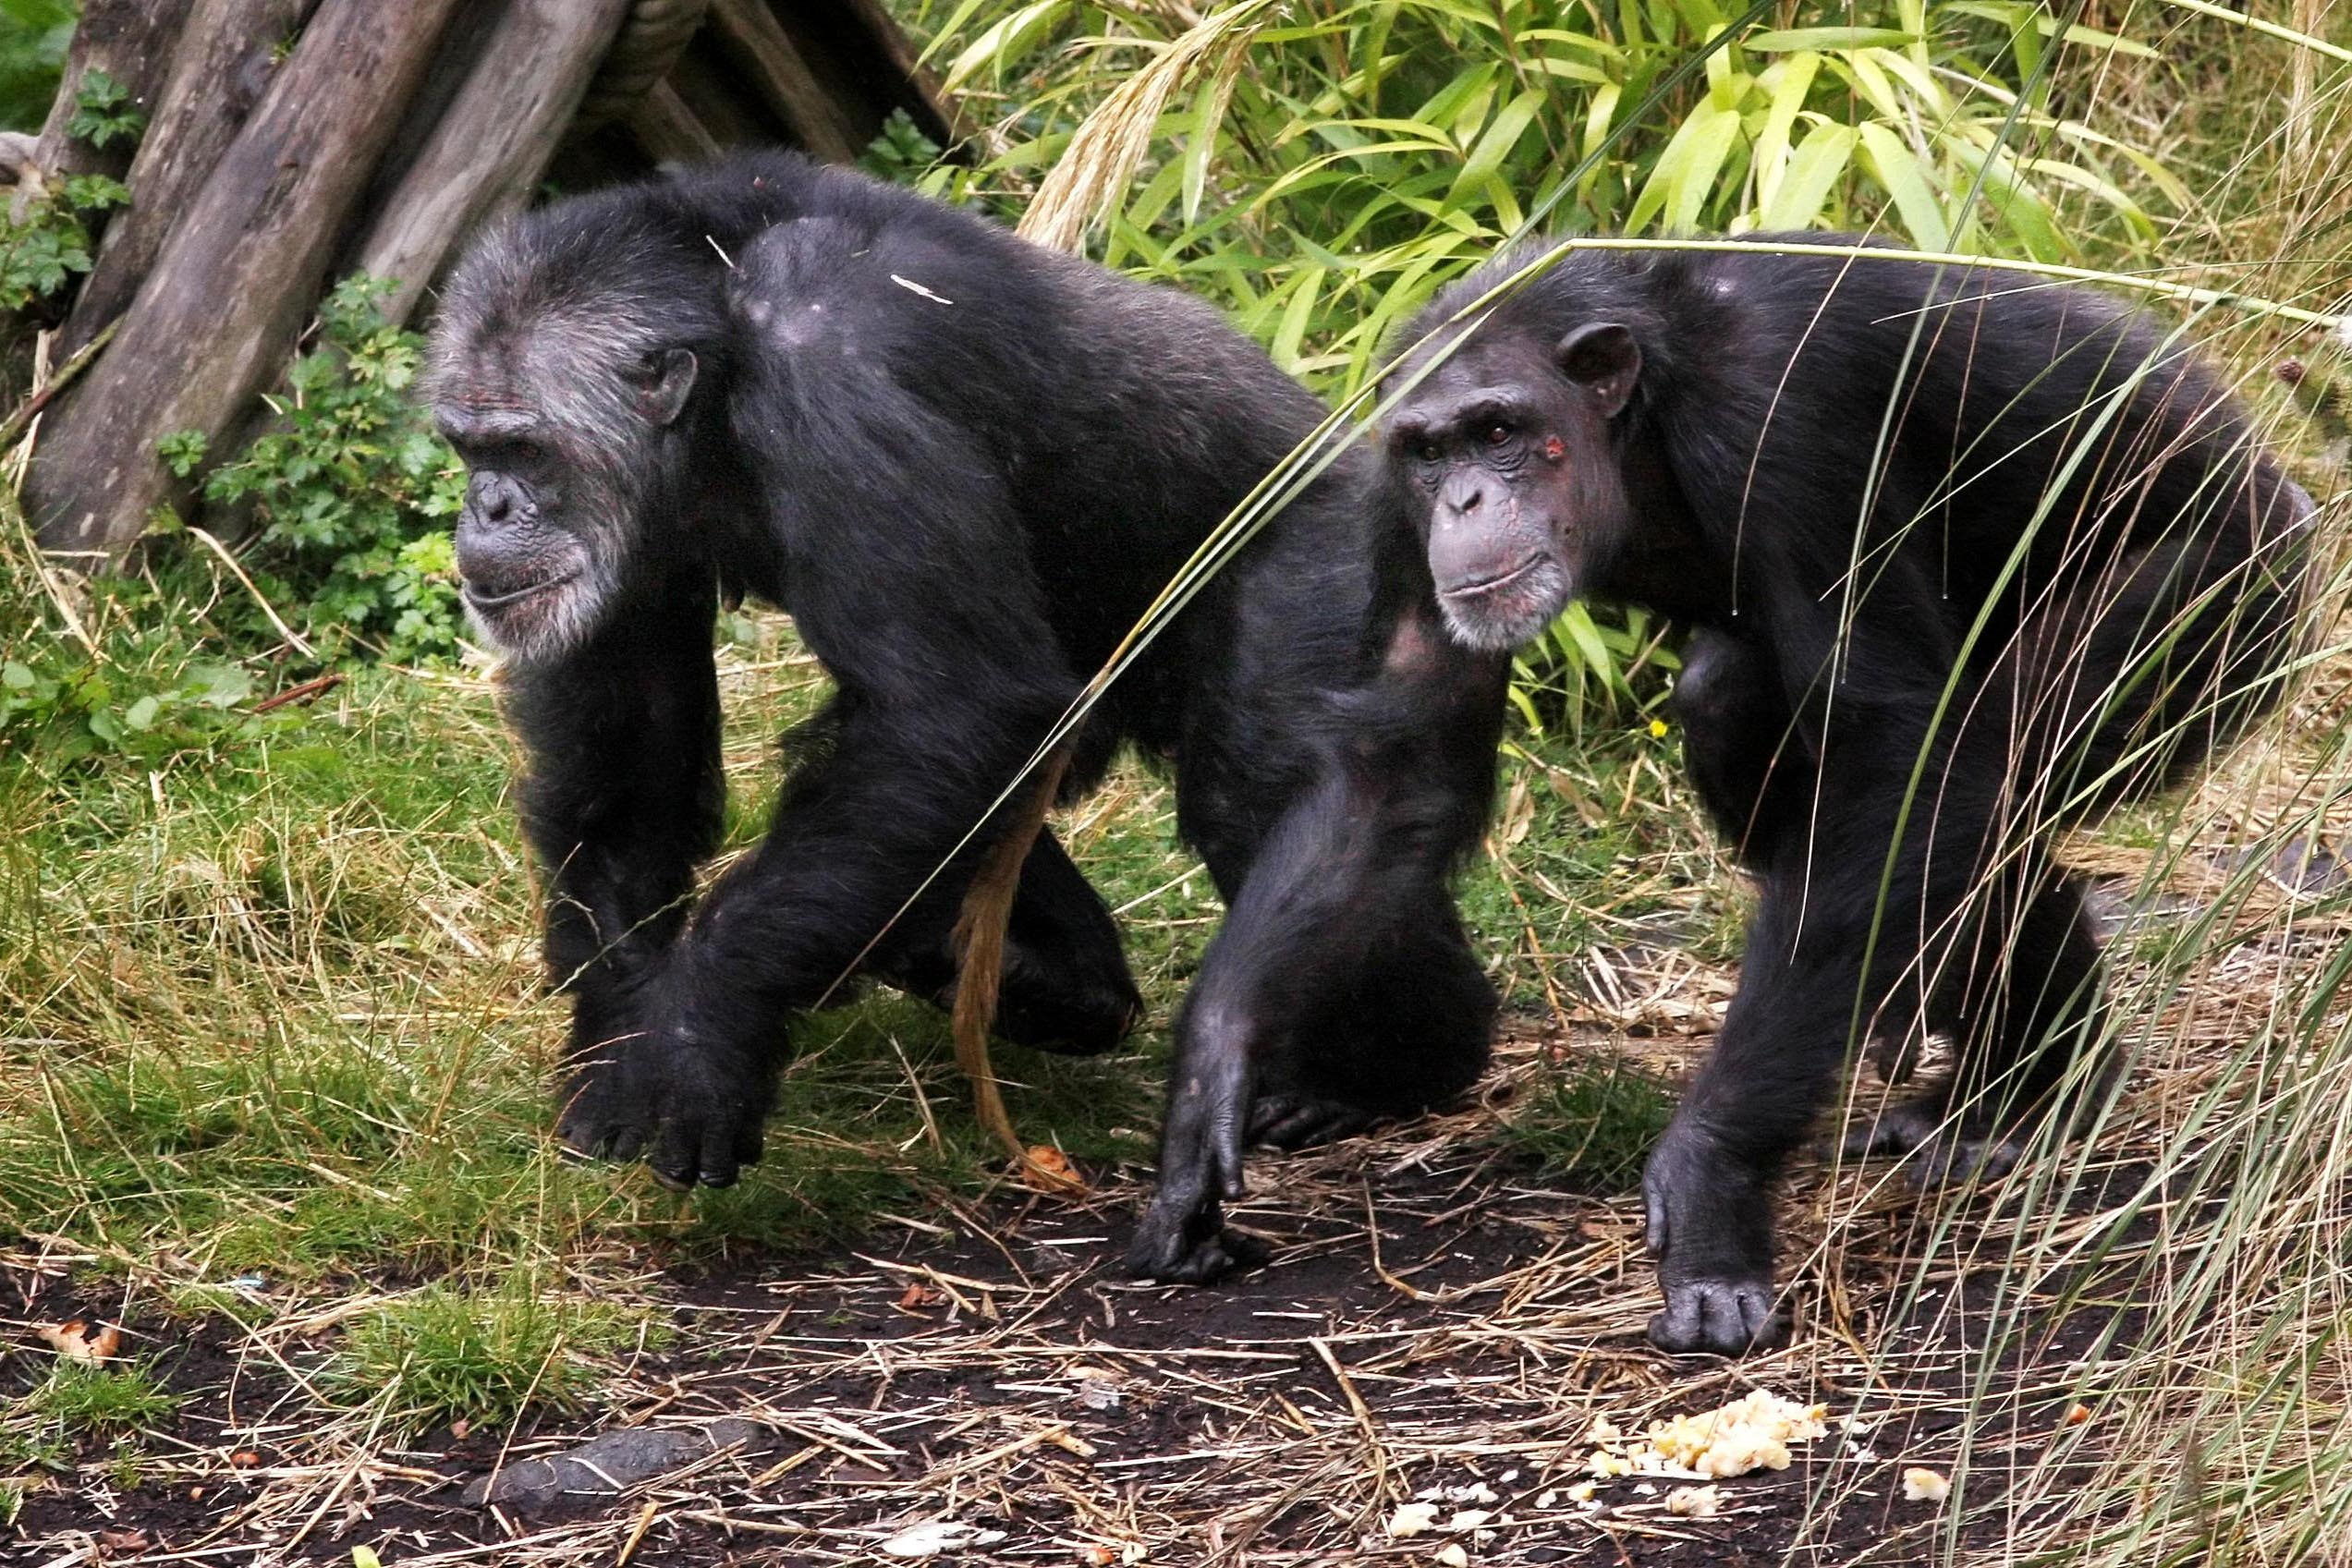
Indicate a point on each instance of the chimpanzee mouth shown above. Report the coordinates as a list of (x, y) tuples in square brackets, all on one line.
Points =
[(1482, 587), (478, 600)]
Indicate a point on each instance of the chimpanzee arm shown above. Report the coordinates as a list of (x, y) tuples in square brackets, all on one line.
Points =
[(1341, 974), (909, 576), (1850, 917), (622, 796)]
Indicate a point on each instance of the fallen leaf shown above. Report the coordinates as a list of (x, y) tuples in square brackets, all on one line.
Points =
[(245, 1459), (133, 1541), (81, 1340), (459, 1427), (1047, 1169), (1453, 1557), (2078, 1414), (918, 1297)]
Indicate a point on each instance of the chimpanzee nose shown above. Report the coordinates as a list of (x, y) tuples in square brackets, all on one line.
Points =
[(492, 499)]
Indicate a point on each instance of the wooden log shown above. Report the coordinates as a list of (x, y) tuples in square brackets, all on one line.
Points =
[(812, 110), (234, 284), (494, 140), (225, 56), (130, 40), (669, 130)]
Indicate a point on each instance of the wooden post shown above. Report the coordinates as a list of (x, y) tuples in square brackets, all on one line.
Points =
[(493, 142), (218, 73), (234, 284), (130, 40)]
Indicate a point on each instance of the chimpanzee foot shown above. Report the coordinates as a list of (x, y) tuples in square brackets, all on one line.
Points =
[(594, 1120), (1709, 1225), (1288, 1121), (692, 1112), (1181, 1244), (1937, 1151), (1725, 1317)]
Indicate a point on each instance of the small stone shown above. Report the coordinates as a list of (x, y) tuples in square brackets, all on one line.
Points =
[(1453, 1557)]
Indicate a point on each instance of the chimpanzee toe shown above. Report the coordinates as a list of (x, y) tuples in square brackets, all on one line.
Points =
[(1719, 1318), (1298, 1121)]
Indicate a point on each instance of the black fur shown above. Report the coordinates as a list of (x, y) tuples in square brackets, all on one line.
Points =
[(1971, 557), (965, 466)]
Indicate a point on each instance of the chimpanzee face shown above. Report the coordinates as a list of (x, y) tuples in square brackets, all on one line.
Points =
[(569, 425), (1508, 444)]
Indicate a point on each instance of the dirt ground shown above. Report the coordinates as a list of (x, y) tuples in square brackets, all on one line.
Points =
[(1438, 1324)]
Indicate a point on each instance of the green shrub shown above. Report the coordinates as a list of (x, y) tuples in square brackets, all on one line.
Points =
[(350, 492)]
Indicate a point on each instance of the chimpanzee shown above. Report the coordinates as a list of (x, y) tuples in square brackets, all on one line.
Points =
[(965, 466), (1968, 557)]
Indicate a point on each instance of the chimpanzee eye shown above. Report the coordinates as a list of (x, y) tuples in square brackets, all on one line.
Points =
[(1428, 452), (1497, 434)]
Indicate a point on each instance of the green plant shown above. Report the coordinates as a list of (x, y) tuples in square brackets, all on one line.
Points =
[(120, 1400), (1321, 170), (445, 1351), (103, 113), (351, 490), (46, 243), (77, 708), (34, 35), (1592, 1122)]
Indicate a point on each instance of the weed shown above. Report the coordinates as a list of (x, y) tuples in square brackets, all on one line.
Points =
[(352, 492), (446, 1352), (118, 1400), (1593, 1122)]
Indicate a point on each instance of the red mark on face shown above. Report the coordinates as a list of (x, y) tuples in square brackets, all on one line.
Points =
[(1554, 448)]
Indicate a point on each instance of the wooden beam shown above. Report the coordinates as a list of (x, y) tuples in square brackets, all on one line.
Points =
[(810, 108), (233, 286), (494, 140), (130, 40), (225, 57)]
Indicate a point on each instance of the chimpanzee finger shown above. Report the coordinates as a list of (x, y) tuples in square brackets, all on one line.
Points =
[(675, 1157), (624, 1143), (718, 1157), (1655, 1231), (749, 1144)]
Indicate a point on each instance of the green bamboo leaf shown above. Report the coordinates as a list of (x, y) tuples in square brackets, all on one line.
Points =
[(1897, 169), (1796, 39), (1295, 314), (1787, 81), (1819, 162), (1006, 42), (1495, 145)]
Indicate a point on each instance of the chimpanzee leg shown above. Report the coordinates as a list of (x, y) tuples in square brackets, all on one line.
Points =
[(1340, 926), (1739, 743), (1067, 987), (2024, 1006), (622, 797)]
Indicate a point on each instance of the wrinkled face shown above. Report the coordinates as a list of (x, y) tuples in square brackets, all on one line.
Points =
[(565, 424), (1507, 446)]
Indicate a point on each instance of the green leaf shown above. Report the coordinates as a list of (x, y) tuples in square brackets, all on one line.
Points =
[(1790, 39), (1905, 179), (1820, 161)]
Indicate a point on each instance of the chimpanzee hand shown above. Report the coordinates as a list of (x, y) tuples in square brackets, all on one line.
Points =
[(1711, 1229), (692, 1108), (1182, 1238)]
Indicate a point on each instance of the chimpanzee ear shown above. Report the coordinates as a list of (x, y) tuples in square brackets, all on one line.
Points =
[(1603, 359), (668, 377)]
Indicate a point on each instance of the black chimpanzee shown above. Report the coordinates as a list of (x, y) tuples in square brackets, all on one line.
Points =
[(1969, 556), (966, 466)]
